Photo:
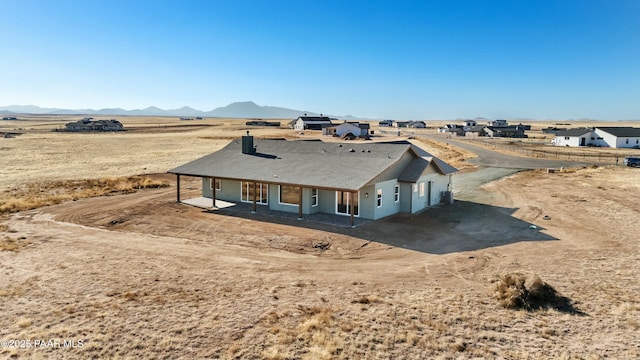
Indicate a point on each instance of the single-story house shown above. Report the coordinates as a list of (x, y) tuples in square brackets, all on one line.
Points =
[(311, 122), (513, 131), (355, 128), (262, 123), (417, 124), (553, 130), (497, 123), (87, 124), (474, 131), (469, 123), (615, 137), (400, 124), (366, 180), (452, 129)]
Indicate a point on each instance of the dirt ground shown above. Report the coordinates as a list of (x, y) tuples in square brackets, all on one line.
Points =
[(139, 276)]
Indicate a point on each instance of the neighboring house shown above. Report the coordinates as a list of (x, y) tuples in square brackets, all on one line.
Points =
[(400, 124), (355, 128), (553, 130), (572, 137), (262, 123), (497, 123), (385, 123), (474, 131), (469, 123), (454, 129), (615, 137), (618, 137), (408, 124), (366, 180), (9, 118), (311, 122), (417, 124), (513, 131), (87, 124)]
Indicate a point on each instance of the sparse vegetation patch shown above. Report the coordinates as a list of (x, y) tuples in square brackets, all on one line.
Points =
[(35, 195)]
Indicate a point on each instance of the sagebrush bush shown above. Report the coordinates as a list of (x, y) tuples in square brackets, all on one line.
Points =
[(514, 291)]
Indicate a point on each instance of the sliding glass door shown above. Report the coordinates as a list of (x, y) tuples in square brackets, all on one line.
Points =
[(343, 203)]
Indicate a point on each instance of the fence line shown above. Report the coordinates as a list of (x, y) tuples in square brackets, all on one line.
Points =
[(606, 158)]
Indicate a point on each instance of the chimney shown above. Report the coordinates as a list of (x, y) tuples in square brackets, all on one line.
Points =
[(247, 144)]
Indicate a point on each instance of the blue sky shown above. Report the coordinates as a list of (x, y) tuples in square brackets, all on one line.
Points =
[(559, 59)]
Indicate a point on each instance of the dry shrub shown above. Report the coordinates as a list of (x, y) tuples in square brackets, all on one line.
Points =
[(367, 299), (513, 291), (9, 244), (35, 195)]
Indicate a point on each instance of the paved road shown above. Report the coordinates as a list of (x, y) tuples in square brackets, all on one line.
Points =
[(496, 159)]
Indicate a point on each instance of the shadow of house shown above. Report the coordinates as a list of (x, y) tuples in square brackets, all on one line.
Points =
[(463, 226)]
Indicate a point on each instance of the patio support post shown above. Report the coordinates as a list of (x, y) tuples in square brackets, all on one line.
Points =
[(213, 189), (255, 196), (177, 187), (351, 207), (300, 203)]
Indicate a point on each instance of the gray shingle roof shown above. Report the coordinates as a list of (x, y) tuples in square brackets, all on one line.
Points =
[(621, 131), (575, 132), (332, 165)]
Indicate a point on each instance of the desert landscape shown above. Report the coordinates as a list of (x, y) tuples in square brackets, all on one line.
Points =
[(95, 250)]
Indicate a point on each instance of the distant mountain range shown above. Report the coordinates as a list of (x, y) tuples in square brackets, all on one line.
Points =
[(244, 109)]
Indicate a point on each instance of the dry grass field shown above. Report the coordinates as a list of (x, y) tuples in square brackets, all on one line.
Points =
[(135, 275)]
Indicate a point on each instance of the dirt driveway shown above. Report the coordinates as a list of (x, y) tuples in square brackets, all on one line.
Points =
[(489, 158), (143, 277)]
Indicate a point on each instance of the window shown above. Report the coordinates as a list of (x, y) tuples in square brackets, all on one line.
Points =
[(421, 189), (289, 195), (566, 138), (261, 192), (627, 141), (396, 193), (218, 184), (415, 187), (314, 197), (379, 197)]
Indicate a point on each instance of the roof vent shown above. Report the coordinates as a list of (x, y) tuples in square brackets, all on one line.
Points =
[(362, 150), (340, 145), (351, 150), (368, 150)]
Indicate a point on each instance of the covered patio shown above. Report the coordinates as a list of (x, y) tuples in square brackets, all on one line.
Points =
[(245, 210)]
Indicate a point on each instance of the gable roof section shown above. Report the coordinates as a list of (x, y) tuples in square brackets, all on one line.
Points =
[(621, 131), (575, 132), (328, 165), (314, 118)]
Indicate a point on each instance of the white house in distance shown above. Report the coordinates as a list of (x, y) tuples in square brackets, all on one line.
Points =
[(356, 128), (615, 137), (311, 122), (369, 180)]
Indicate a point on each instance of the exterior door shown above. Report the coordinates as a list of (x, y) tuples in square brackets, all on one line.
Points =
[(343, 206), (261, 192)]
